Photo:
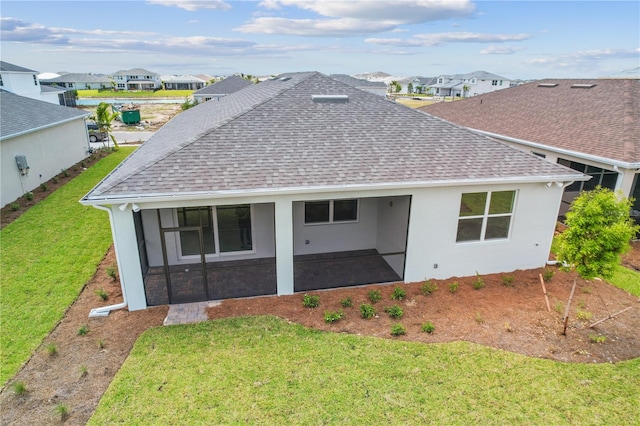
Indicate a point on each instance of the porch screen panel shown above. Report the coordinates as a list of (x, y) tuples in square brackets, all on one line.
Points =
[(189, 241), (235, 228)]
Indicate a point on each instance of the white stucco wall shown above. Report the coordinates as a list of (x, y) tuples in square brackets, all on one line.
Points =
[(21, 83), (48, 151)]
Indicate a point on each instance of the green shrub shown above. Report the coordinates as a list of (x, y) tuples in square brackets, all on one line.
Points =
[(428, 327), (596, 338), (367, 311), (583, 315), (52, 349), (346, 303), (83, 370), (101, 344), (84, 329), (19, 388), (111, 271), (394, 311), (547, 274), (54, 179), (479, 318), (428, 287), (507, 280), (398, 329), (102, 294), (453, 287), (332, 316), (309, 301), (398, 293), (65, 173), (375, 296), (62, 411), (29, 196), (15, 207), (83, 165), (44, 187), (478, 283), (558, 307)]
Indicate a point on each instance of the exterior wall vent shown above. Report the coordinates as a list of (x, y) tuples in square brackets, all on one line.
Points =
[(582, 86), (330, 98), (547, 84)]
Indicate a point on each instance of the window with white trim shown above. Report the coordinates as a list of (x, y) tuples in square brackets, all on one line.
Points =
[(330, 211), (485, 215)]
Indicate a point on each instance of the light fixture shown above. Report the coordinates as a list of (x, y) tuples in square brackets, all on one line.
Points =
[(135, 207), (559, 184), (548, 184), (123, 206)]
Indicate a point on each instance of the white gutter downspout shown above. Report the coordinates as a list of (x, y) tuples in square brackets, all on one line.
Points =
[(555, 262), (105, 310)]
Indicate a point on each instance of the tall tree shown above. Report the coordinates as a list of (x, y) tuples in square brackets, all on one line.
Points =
[(410, 88)]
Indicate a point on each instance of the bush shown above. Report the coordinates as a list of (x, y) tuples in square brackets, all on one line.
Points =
[(309, 301), (84, 329), (375, 296), (111, 271), (65, 173), (15, 207), (478, 283), (453, 287), (346, 303), (428, 287), (583, 315), (398, 329), (331, 316), (398, 294), (52, 349), (428, 327), (102, 294), (394, 311), (29, 196), (595, 338), (54, 179), (507, 280), (367, 311), (62, 411), (19, 388), (547, 274), (44, 187)]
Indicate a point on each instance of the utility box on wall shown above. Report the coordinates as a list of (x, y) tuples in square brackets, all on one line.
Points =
[(21, 162)]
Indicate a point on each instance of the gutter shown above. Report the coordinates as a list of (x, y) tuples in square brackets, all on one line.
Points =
[(105, 310)]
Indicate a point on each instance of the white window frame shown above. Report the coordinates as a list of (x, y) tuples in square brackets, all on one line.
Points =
[(331, 220), (486, 215)]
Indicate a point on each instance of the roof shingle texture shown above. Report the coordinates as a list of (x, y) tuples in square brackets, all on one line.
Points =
[(229, 85), (273, 136), (603, 121)]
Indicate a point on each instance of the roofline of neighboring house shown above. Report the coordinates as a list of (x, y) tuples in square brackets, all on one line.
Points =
[(25, 132), (187, 196), (617, 163)]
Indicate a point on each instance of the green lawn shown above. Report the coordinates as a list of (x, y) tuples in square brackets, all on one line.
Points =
[(262, 370), (141, 94), (48, 254)]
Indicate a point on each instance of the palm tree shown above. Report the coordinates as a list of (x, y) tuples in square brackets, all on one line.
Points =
[(103, 119), (465, 90)]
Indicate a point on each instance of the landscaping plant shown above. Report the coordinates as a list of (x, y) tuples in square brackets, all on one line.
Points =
[(398, 329), (398, 293), (375, 296), (309, 301), (367, 311), (394, 311), (429, 287)]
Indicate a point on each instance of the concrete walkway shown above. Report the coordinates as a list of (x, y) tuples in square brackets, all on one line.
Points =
[(188, 313)]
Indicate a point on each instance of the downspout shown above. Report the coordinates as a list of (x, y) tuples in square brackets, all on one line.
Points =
[(105, 310), (555, 262)]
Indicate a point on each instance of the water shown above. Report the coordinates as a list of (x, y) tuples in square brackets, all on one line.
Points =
[(126, 101)]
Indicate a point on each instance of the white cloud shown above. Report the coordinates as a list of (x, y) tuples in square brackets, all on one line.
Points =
[(12, 29), (586, 57), (426, 40), (500, 50), (314, 27), (193, 5)]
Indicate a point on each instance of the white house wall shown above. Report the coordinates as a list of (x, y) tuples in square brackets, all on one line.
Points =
[(21, 83), (48, 151)]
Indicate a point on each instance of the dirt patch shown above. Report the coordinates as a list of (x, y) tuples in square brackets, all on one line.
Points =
[(152, 116)]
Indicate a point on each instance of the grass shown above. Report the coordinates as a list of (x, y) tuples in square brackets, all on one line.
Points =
[(48, 254), (94, 93), (626, 279), (267, 371)]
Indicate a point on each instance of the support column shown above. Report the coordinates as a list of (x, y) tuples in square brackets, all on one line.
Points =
[(126, 246), (284, 246)]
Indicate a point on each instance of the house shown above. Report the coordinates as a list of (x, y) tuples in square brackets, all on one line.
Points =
[(466, 85), (416, 84), (25, 82), (376, 87), (591, 126), (136, 79), (79, 81), (37, 140), (302, 182), (182, 82), (225, 87)]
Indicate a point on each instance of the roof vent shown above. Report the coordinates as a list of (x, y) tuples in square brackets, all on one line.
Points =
[(582, 86), (547, 84), (284, 78), (330, 98)]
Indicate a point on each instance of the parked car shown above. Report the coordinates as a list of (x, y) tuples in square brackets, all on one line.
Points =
[(95, 135)]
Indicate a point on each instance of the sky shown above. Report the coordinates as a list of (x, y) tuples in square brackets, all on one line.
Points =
[(514, 39)]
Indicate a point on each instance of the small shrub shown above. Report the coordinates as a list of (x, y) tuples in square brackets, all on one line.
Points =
[(29, 196), (52, 349), (367, 311), (44, 187), (15, 207), (558, 307), (478, 283), (83, 165), (332, 316), (102, 294), (581, 304), (84, 329), (583, 315), (508, 327), (375, 296), (428, 327), (111, 271), (394, 311), (596, 338), (453, 287), (101, 344), (346, 303), (65, 173), (507, 280), (62, 411), (54, 179), (429, 287), (83, 370), (398, 329), (19, 388), (547, 274), (309, 301), (398, 293), (479, 318)]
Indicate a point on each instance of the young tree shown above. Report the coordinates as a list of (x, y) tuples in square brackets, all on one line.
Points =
[(410, 88), (599, 229), (103, 119)]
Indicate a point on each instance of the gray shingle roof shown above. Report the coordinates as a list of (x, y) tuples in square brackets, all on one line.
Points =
[(6, 66), (229, 85), (19, 115), (78, 78), (135, 71), (274, 136), (357, 82)]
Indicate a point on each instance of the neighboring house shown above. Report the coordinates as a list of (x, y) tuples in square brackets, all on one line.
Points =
[(592, 126), (37, 140), (136, 79), (416, 84), (182, 82), (376, 87), (467, 85), (80, 81), (66, 97), (303, 182), (24, 82), (222, 88)]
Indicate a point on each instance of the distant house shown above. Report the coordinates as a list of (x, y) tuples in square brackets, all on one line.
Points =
[(302, 182), (376, 87), (24, 82), (182, 82), (37, 140), (136, 79), (222, 88), (591, 126), (467, 85), (79, 81), (416, 84)]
